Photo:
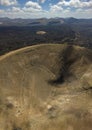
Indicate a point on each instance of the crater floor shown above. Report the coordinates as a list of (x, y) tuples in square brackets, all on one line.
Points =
[(46, 87)]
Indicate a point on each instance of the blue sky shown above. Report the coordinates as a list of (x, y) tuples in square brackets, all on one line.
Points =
[(45, 8)]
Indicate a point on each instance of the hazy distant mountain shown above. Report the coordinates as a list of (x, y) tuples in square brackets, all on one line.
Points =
[(43, 21), (17, 33)]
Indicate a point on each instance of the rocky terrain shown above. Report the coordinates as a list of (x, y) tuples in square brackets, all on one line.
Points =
[(46, 87)]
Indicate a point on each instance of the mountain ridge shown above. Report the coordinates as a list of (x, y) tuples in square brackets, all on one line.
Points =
[(41, 21)]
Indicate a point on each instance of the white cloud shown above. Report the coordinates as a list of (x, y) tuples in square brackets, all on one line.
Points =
[(31, 10), (75, 3), (34, 5), (55, 8), (72, 8), (8, 2), (16, 9), (62, 9), (20, 13)]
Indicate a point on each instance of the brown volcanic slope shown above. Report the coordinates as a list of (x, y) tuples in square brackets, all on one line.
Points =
[(46, 87)]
